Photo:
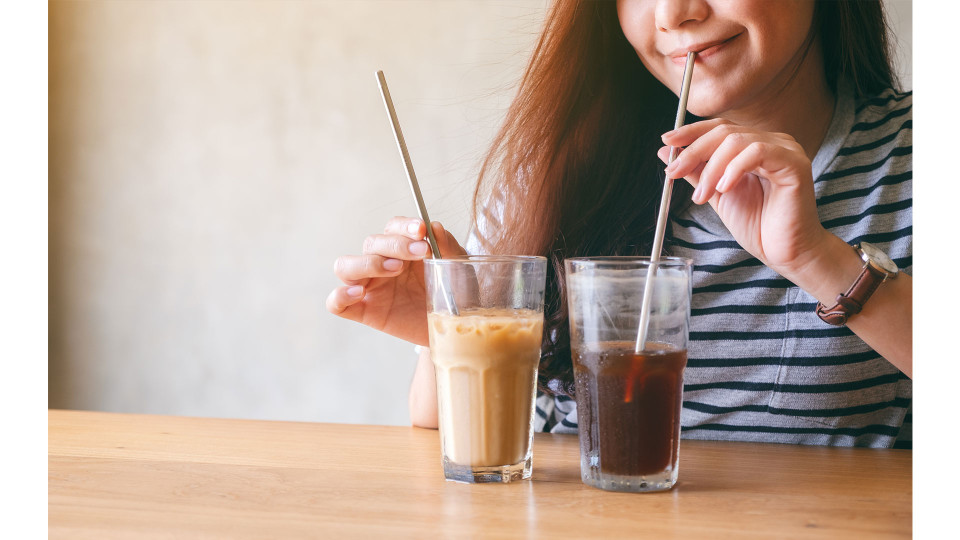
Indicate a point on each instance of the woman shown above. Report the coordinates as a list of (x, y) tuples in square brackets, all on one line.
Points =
[(802, 149)]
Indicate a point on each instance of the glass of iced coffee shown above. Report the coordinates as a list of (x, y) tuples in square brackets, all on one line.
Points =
[(485, 317), (628, 402)]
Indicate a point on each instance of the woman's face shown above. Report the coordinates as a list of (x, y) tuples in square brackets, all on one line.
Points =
[(746, 49)]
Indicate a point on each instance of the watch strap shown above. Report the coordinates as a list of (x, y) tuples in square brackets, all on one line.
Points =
[(851, 302)]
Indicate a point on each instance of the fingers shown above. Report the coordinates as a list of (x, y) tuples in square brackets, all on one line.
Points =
[(341, 299), (693, 177), (446, 242), (395, 246), (414, 229), (387, 255), (715, 170), (767, 159), (685, 135), (714, 145), (384, 255), (359, 269), (702, 149), (664, 154), (407, 226)]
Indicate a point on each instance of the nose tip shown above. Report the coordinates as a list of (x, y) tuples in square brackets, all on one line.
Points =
[(673, 14)]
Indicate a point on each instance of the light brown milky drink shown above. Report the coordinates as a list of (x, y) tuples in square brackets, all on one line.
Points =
[(486, 364)]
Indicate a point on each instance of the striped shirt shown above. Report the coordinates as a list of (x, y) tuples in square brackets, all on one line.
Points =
[(761, 365)]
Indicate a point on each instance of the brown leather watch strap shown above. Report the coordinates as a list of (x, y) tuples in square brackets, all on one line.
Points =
[(851, 302)]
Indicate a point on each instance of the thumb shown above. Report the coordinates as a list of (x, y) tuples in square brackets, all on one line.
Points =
[(446, 242)]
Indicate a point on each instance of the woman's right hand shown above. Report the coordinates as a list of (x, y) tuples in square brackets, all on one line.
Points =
[(383, 287)]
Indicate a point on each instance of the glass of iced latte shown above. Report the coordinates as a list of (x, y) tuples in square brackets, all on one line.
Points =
[(485, 317)]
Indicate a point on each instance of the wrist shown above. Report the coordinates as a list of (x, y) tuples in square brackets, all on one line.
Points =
[(827, 272)]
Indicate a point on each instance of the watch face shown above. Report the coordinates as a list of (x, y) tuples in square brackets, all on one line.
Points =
[(878, 258)]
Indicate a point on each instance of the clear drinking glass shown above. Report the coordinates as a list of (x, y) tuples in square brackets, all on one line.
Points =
[(628, 403), (485, 318)]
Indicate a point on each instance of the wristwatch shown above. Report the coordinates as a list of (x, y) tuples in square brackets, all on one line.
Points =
[(877, 268)]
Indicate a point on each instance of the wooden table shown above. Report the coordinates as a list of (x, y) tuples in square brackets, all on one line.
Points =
[(133, 476)]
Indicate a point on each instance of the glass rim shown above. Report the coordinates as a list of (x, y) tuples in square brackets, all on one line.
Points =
[(644, 260), (486, 258)]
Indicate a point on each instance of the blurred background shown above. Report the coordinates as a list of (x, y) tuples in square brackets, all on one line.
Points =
[(208, 161)]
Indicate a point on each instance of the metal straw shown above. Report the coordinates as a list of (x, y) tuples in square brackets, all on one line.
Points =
[(414, 186), (664, 207)]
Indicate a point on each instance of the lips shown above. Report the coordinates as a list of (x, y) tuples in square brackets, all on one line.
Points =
[(703, 48)]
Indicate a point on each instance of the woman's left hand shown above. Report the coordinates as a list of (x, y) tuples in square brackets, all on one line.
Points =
[(760, 184)]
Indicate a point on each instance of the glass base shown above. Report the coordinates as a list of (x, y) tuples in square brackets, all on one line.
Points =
[(484, 475), (661, 481)]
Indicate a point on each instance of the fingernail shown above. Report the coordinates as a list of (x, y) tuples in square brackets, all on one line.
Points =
[(413, 227), (669, 133), (672, 166), (419, 248), (722, 184), (392, 265), (696, 194), (669, 171), (355, 291)]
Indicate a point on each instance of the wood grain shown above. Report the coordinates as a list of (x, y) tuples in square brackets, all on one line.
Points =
[(140, 476)]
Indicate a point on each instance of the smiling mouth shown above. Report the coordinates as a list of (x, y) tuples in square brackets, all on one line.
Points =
[(703, 50)]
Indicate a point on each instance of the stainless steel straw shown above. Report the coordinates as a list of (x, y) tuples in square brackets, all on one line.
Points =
[(414, 186), (664, 208)]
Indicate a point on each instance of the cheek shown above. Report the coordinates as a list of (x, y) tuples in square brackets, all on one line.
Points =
[(782, 33), (637, 22)]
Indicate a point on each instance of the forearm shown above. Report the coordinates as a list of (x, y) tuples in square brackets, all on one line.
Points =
[(886, 321), (423, 393)]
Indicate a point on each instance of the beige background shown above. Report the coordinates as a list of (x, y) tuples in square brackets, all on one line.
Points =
[(210, 159)]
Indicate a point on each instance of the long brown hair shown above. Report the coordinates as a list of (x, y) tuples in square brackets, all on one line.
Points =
[(575, 160)]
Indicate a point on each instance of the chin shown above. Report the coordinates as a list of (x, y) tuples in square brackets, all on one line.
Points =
[(706, 108), (712, 100)]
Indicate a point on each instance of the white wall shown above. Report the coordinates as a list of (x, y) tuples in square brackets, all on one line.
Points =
[(900, 14), (209, 160)]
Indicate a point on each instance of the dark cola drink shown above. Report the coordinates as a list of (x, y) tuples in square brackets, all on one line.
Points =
[(628, 411)]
